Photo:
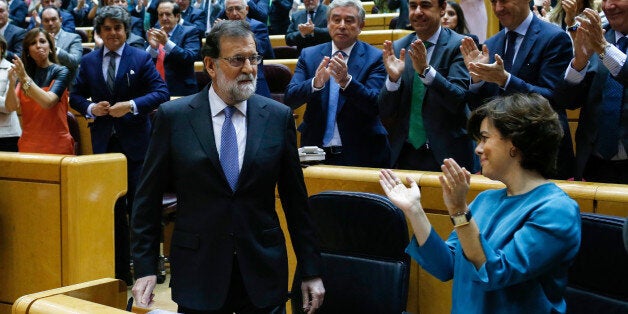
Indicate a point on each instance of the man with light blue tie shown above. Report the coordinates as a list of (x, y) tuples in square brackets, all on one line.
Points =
[(528, 56), (340, 82), (596, 81)]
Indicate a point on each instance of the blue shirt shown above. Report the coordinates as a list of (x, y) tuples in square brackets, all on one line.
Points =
[(529, 241)]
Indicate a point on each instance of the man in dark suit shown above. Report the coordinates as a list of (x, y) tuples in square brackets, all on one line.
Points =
[(257, 10), (536, 63), (17, 13), (279, 16), (341, 114), (239, 10), (597, 81), (194, 16), (224, 150), (66, 17), (174, 48), (69, 48), (308, 27), (118, 86), (423, 101), (12, 34)]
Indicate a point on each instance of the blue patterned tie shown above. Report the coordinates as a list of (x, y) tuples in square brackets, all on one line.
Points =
[(111, 71), (332, 106), (509, 56), (610, 112), (229, 149)]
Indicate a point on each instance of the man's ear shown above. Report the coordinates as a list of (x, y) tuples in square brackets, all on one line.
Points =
[(210, 66)]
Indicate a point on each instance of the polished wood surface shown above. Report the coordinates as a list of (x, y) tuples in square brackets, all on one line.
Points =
[(56, 220), (105, 295)]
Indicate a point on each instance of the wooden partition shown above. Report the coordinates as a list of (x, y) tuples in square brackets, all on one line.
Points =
[(427, 294), (97, 296), (56, 220)]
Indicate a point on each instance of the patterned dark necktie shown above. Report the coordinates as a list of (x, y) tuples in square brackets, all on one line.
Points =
[(229, 149), (111, 71)]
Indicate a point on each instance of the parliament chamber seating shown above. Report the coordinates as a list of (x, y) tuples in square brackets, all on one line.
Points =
[(278, 77), (598, 278), (75, 132), (365, 269), (286, 52)]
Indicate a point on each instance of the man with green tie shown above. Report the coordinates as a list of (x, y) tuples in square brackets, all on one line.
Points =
[(423, 99)]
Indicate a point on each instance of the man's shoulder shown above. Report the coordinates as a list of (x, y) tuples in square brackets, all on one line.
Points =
[(267, 103), (12, 29), (67, 35)]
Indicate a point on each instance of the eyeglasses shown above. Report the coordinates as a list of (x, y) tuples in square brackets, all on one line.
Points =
[(237, 8), (238, 61)]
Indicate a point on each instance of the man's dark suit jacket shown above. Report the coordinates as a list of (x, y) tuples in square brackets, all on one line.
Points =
[(444, 105), (196, 17), (364, 138), (136, 79), (260, 30), (179, 63), (587, 95), (279, 16), (17, 13), (14, 37), (213, 222), (321, 33), (258, 10), (540, 64)]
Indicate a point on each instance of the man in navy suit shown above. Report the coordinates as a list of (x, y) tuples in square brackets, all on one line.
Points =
[(308, 27), (180, 47), (224, 150), (528, 56), (341, 95), (257, 10), (194, 16), (12, 34), (119, 97), (424, 131), (597, 73), (17, 13), (239, 10)]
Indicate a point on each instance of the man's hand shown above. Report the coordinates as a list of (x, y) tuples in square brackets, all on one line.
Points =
[(101, 109), (582, 50), (143, 291), (494, 72), (313, 293), (418, 55), (471, 54), (394, 66), (156, 37), (120, 109), (590, 25), (571, 10), (322, 74), (306, 28), (338, 69)]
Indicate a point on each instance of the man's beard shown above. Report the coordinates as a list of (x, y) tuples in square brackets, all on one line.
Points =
[(239, 92)]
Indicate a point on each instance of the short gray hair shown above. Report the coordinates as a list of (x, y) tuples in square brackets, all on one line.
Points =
[(348, 3)]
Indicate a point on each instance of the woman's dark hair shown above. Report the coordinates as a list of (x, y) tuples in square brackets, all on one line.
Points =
[(31, 38), (114, 13), (227, 28), (461, 26), (3, 45), (530, 123)]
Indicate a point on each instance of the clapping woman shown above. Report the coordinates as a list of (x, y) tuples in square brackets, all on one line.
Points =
[(42, 95), (510, 248)]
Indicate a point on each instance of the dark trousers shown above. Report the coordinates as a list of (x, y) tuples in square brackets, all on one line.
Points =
[(422, 158), (607, 171), (238, 300), (122, 214), (8, 144)]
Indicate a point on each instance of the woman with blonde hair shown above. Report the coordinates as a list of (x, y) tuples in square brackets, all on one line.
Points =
[(42, 95)]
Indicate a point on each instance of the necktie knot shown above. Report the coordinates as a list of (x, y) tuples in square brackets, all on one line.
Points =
[(112, 54), (229, 111), (427, 44), (342, 53)]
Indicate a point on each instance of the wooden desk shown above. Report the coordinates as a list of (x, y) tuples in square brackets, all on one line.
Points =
[(56, 220)]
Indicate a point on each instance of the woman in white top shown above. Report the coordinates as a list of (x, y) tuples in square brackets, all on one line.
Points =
[(10, 130)]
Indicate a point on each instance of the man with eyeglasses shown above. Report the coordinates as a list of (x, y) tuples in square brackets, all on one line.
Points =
[(238, 10), (340, 82), (224, 150), (308, 27)]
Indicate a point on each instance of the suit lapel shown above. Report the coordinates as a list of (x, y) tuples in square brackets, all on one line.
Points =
[(408, 75), (354, 67), (257, 121), (533, 33), (500, 41), (325, 50), (319, 16), (200, 118)]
